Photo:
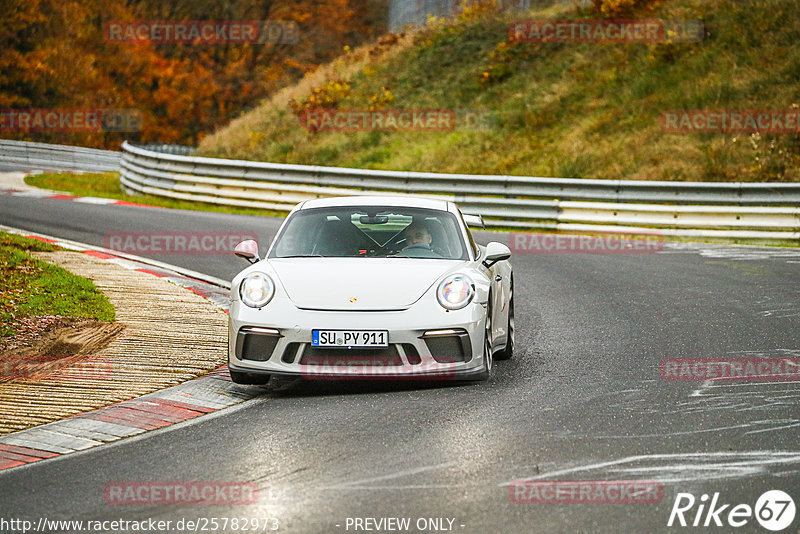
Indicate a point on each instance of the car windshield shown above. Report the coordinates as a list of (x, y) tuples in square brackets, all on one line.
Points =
[(371, 232)]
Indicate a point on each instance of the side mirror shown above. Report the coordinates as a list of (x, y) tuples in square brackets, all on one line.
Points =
[(495, 252), (247, 249), (474, 220)]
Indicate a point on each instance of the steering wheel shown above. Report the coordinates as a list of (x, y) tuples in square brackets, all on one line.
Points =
[(436, 250), (422, 247)]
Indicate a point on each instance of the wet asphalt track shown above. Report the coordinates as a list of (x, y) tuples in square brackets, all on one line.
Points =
[(581, 400)]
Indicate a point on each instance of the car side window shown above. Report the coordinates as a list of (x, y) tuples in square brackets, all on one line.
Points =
[(472, 243)]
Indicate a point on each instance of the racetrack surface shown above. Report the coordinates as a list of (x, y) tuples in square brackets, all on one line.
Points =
[(581, 400)]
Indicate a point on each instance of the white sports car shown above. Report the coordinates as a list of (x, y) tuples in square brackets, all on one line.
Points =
[(372, 286)]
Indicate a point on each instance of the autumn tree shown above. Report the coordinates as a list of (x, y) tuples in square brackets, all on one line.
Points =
[(55, 55)]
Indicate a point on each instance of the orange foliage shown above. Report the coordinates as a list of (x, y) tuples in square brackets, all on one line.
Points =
[(623, 8), (55, 55)]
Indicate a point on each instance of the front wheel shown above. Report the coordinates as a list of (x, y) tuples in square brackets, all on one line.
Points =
[(248, 379), (508, 350), (487, 348)]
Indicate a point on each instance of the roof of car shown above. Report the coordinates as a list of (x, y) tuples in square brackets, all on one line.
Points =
[(371, 200)]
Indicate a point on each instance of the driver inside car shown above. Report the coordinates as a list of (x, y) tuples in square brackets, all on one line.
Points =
[(418, 242)]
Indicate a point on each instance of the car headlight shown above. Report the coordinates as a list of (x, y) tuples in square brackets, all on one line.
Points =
[(256, 290), (455, 291)]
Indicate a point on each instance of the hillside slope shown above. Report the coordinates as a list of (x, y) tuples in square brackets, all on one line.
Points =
[(591, 110)]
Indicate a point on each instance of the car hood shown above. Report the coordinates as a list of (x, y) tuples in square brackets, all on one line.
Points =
[(358, 284)]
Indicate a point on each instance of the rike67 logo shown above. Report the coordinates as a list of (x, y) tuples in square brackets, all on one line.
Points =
[(774, 510)]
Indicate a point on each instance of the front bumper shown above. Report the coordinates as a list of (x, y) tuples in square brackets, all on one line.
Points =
[(425, 342)]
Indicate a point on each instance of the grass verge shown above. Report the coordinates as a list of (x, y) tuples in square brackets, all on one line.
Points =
[(581, 110), (31, 287)]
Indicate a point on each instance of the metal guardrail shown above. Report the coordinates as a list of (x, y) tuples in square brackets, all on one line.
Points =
[(769, 211), (763, 211), (23, 155)]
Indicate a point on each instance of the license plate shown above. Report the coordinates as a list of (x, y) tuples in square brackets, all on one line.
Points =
[(350, 338)]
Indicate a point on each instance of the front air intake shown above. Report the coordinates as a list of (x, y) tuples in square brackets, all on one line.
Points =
[(448, 346), (256, 344)]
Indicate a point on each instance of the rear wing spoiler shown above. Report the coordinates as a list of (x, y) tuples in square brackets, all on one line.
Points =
[(474, 220)]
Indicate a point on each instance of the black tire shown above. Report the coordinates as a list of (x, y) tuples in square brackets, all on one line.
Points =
[(247, 379), (508, 350), (488, 359)]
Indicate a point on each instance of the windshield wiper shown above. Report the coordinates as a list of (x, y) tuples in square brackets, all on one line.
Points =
[(302, 256)]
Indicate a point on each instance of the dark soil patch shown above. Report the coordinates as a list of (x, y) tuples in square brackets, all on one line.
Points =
[(46, 344)]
